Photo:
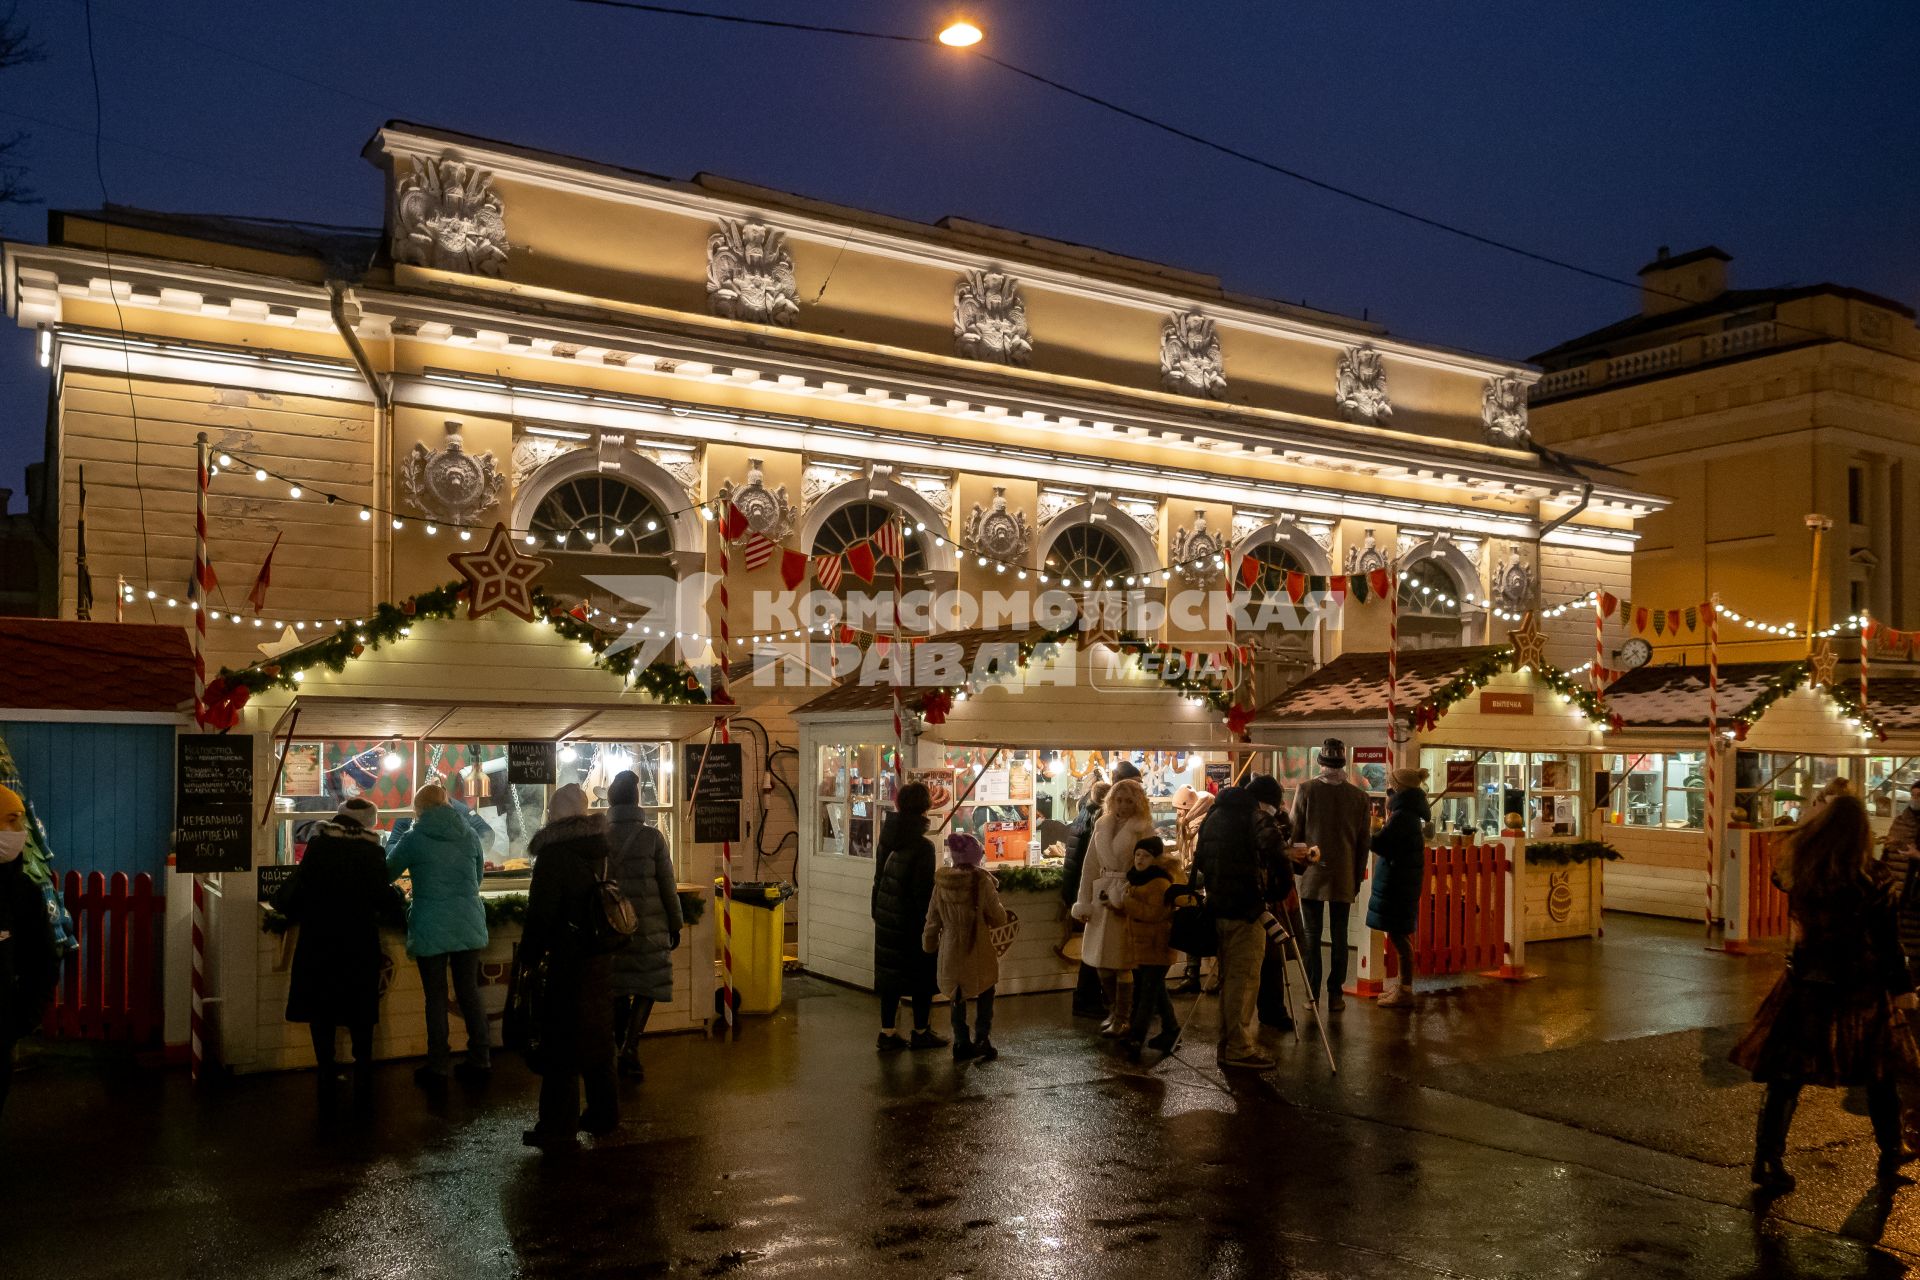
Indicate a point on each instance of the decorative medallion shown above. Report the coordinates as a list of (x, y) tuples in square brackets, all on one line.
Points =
[(1360, 387), (1503, 411), (447, 216), (1513, 581), (1367, 558), (750, 274), (990, 318), (530, 453), (1529, 644), (769, 513), (449, 483), (498, 576), (1190, 359), (997, 532), (1194, 552)]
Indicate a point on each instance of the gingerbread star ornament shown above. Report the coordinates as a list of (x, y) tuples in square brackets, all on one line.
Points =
[(499, 576), (1824, 661), (1529, 645)]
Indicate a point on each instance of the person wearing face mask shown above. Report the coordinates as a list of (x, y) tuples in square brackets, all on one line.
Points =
[(29, 964), (1902, 856)]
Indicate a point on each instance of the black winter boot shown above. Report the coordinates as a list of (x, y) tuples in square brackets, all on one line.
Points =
[(1770, 1139)]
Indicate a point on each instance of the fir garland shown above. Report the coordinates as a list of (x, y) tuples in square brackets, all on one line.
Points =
[(1030, 879), (503, 909), (1561, 853), (1482, 670), (1789, 679)]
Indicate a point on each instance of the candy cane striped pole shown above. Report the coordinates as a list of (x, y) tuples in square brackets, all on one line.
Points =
[(1713, 750), (1866, 644), (197, 585), (897, 542), (1393, 664), (1599, 648), (197, 1002), (724, 629)]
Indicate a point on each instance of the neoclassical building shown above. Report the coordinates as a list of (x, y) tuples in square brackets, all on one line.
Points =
[(585, 353)]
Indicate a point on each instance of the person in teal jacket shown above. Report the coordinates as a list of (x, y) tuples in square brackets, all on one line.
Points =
[(446, 929)]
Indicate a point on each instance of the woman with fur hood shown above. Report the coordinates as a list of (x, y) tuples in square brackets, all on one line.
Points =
[(1125, 820), (966, 908)]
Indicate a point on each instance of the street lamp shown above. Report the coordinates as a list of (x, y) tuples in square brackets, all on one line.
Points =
[(960, 34)]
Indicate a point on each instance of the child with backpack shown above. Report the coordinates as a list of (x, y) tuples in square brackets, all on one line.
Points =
[(1148, 905), (966, 908)]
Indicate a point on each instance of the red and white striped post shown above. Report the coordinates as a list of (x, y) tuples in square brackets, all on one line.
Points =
[(1713, 824), (1393, 665), (1599, 648), (1867, 628), (732, 521), (197, 589)]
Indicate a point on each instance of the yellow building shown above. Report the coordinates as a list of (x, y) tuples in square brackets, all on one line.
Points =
[(1751, 409), (602, 361)]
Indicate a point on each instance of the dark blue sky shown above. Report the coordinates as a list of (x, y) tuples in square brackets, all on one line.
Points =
[(1782, 131)]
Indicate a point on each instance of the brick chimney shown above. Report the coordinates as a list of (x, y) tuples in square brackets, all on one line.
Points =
[(1669, 283)]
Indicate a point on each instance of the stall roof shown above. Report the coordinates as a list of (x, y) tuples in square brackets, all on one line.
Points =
[(1675, 696), (1354, 685), (327, 717), (51, 665), (1895, 703)]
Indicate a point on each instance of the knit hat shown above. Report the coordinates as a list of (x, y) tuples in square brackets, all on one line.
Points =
[(965, 850), (568, 802), (1152, 846), (1406, 779), (431, 796), (1265, 790), (1333, 754), (1184, 796), (359, 809), (625, 788), (11, 803)]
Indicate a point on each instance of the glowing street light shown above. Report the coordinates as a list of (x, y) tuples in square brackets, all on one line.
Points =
[(960, 34)]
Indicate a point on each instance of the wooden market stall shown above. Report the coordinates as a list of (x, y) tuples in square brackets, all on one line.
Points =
[(1509, 753), (1893, 762), (1029, 744), (1781, 738), (500, 711)]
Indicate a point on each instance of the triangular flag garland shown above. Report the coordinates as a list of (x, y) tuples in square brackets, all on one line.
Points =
[(758, 551), (793, 569), (826, 572), (861, 560)]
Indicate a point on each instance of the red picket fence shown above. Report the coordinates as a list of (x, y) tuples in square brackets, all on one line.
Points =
[(1766, 904), (111, 987), (1463, 911)]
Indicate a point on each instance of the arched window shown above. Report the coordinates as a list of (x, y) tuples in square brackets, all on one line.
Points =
[(1089, 556), (858, 521), (602, 514), (1431, 615), (1276, 561)]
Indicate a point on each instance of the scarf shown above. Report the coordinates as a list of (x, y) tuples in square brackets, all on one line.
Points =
[(1335, 776)]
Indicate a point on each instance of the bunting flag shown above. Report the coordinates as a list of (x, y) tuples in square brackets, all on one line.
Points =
[(859, 558), (890, 541), (264, 579), (759, 550), (1673, 621), (1608, 603), (826, 572), (793, 569), (1659, 623), (1640, 621), (1693, 618), (1380, 581), (733, 523), (1249, 570), (1356, 584), (1296, 586), (1337, 585)]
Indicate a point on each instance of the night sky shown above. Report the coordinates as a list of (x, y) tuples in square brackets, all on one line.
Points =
[(1783, 132)]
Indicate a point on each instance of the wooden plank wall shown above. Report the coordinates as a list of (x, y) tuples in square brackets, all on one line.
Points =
[(103, 791), (1660, 872), (139, 454)]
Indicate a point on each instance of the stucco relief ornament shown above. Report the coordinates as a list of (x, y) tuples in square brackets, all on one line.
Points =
[(1360, 387), (1367, 558), (1513, 582), (1190, 359), (1503, 411), (449, 483), (769, 512), (448, 216), (1195, 550), (997, 532), (990, 318), (750, 274)]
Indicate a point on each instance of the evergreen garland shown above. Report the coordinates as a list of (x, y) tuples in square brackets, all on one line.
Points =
[(1033, 879), (1561, 853), (1482, 670), (504, 909)]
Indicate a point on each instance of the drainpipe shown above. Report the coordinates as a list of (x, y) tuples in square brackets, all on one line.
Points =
[(1586, 496), (381, 549)]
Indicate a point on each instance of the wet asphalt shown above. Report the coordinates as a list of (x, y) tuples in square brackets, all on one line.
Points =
[(1578, 1125)]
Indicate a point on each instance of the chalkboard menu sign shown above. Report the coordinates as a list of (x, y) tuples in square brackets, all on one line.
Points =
[(724, 777), (531, 764), (270, 880), (213, 803), (715, 820)]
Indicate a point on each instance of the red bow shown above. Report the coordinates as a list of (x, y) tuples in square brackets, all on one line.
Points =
[(934, 706), (1238, 718), (220, 705)]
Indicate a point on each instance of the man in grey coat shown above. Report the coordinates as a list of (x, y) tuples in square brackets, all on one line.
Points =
[(643, 970), (1330, 812)]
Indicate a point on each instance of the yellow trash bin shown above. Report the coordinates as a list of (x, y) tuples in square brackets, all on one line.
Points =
[(759, 943)]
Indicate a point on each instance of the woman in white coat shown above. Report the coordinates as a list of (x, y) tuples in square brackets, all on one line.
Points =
[(1125, 820)]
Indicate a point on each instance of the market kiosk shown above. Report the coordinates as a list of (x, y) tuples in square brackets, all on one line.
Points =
[(1782, 738), (1009, 762), (500, 711), (1893, 760), (1507, 751)]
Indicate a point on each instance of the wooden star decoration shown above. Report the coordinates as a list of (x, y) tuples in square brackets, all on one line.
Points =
[(499, 576), (1529, 644), (287, 642), (1824, 661)]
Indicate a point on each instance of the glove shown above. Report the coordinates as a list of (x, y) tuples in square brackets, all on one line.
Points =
[(673, 940)]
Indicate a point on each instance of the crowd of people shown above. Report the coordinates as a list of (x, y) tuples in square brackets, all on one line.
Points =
[(603, 918)]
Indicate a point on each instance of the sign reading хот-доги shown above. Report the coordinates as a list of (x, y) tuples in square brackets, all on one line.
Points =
[(213, 803)]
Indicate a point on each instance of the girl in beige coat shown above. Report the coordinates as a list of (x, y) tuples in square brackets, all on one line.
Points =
[(965, 909), (1125, 820), (1148, 909)]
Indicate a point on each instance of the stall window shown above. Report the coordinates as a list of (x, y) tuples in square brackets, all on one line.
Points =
[(594, 765), (856, 792), (1666, 790), (1475, 796), (1888, 780), (1773, 789)]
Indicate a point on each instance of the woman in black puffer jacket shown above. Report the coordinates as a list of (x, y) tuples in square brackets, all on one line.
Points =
[(902, 891)]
